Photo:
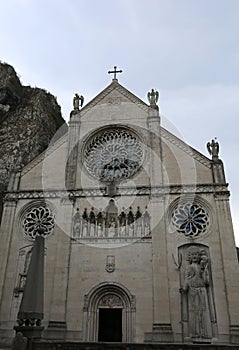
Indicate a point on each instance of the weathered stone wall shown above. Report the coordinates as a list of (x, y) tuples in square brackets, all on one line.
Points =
[(29, 117)]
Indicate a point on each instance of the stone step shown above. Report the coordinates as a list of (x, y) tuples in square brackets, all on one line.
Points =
[(44, 345)]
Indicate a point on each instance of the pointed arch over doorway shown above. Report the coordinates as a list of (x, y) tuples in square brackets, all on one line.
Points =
[(106, 302)]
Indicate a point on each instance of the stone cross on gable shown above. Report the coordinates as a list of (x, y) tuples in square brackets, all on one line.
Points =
[(115, 71)]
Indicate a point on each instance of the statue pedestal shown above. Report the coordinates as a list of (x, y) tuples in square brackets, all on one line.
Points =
[(31, 332)]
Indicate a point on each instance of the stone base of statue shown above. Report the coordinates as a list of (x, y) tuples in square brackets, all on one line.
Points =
[(30, 332)]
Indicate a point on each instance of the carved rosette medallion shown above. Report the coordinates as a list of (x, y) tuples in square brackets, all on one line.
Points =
[(113, 155), (190, 219), (38, 218)]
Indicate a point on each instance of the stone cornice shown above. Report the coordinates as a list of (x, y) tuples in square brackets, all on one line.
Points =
[(138, 191)]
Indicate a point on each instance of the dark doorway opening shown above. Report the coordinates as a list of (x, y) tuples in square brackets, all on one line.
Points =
[(110, 325)]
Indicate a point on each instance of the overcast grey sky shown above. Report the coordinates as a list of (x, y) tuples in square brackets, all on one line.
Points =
[(186, 49)]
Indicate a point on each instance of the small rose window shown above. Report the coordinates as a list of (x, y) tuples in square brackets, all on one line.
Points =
[(39, 218), (190, 219)]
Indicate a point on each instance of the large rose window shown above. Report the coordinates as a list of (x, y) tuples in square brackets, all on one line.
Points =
[(113, 155), (38, 220), (190, 219)]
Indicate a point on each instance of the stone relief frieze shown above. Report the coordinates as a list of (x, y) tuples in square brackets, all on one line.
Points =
[(110, 300), (92, 224)]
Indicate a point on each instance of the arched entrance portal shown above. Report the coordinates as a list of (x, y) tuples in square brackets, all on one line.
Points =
[(109, 314)]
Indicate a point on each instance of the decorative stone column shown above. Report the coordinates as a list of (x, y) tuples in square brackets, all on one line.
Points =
[(230, 262), (57, 308), (162, 330)]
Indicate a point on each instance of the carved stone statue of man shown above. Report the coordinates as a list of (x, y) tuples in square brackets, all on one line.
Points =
[(196, 283)]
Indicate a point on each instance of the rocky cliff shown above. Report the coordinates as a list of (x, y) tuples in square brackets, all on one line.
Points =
[(29, 117)]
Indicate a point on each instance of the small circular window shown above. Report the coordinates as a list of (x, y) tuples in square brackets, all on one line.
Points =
[(38, 219), (190, 219)]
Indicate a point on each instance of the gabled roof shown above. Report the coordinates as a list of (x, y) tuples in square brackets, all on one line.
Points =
[(167, 135), (121, 89)]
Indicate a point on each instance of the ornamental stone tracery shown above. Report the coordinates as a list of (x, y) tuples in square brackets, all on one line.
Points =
[(38, 218), (190, 219), (113, 155)]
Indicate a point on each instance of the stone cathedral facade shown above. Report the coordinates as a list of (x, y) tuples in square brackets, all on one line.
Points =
[(139, 244)]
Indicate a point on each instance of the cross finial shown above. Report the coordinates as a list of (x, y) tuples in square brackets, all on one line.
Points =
[(115, 71)]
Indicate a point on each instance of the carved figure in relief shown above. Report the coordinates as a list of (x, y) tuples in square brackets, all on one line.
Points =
[(111, 213), (110, 263), (92, 222), (112, 228), (130, 216), (111, 300), (122, 223), (22, 281), (108, 223), (92, 216), (99, 221), (85, 223), (146, 219), (138, 220), (122, 218), (77, 224), (100, 218), (195, 288)]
